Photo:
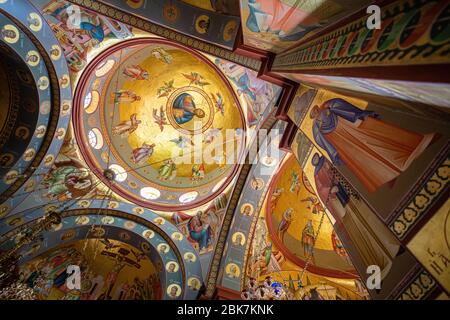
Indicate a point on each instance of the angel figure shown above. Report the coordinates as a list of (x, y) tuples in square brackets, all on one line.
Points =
[(182, 142), (136, 72), (125, 96), (160, 119), (218, 102), (165, 89), (168, 170), (211, 134), (162, 55), (295, 182), (285, 223), (195, 78), (275, 197)]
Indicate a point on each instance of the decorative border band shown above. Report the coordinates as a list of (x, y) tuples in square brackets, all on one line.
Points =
[(155, 29)]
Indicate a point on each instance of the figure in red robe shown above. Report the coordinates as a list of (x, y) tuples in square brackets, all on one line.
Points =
[(141, 154), (375, 151), (136, 72), (290, 22)]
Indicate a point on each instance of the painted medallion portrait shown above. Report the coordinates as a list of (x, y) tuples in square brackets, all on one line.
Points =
[(163, 248), (172, 266), (238, 239), (194, 283), (247, 209), (190, 109), (232, 270), (173, 291), (189, 257), (148, 234)]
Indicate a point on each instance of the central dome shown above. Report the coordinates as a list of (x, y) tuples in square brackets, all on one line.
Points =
[(163, 118)]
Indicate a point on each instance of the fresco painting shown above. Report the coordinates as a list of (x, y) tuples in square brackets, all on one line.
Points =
[(391, 142), (80, 38), (201, 226), (126, 102), (431, 245), (276, 25), (420, 92), (161, 104), (366, 239), (213, 22), (294, 221), (256, 96), (268, 260), (118, 272), (400, 40)]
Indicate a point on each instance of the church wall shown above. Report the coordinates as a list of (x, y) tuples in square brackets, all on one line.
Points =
[(384, 203), (410, 33), (277, 25), (431, 246), (366, 239), (385, 199)]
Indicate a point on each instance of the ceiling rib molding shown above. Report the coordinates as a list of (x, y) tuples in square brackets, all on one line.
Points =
[(213, 273)]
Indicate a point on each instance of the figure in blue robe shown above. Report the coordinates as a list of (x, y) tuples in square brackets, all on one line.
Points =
[(252, 23), (95, 31), (326, 119), (199, 232), (184, 109), (243, 84), (375, 151)]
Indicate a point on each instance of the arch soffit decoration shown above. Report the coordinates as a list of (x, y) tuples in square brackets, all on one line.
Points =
[(226, 252), (142, 218), (60, 101)]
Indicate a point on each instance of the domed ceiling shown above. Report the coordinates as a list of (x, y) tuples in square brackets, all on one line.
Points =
[(163, 119), (294, 216)]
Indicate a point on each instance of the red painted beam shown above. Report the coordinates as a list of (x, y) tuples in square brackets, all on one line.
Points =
[(439, 73), (288, 137), (223, 293)]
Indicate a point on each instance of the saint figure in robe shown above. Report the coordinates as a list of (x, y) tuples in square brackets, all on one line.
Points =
[(126, 127), (184, 109), (199, 232), (143, 153), (308, 235), (373, 242), (136, 72), (375, 151), (125, 96)]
